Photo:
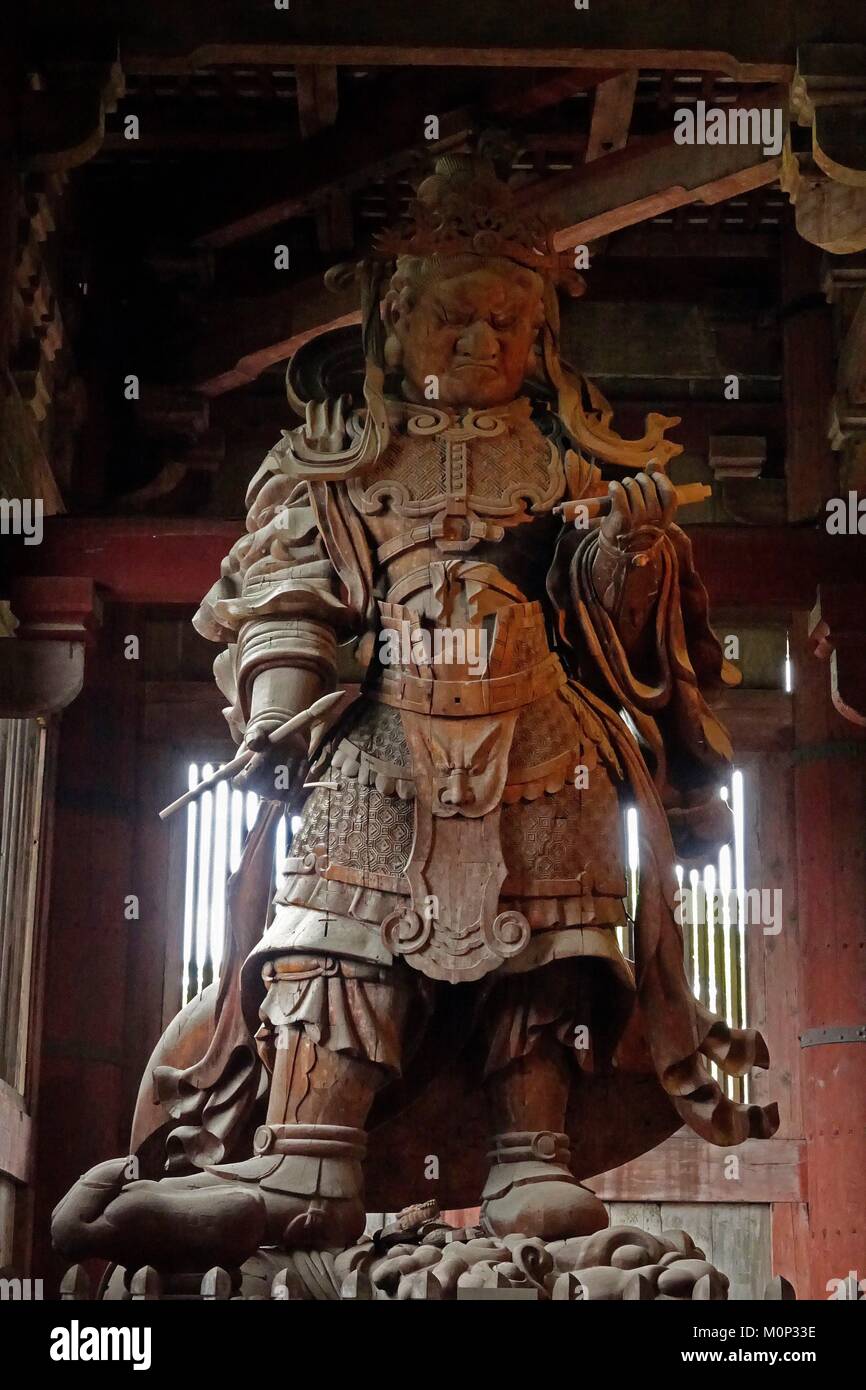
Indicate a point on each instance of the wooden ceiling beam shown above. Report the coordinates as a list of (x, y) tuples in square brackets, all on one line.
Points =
[(518, 94), (408, 55), (172, 561), (754, 42)]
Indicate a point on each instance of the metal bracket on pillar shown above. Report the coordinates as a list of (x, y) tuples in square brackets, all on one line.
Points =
[(837, 632), (819, 1037), (42, 662)]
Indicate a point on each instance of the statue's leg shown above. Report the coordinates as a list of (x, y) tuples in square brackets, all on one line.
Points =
[(331, 1038), (332, 1035), (319, 1101), (530, 1187)]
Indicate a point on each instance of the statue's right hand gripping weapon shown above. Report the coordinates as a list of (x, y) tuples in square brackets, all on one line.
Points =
[(317, 711)]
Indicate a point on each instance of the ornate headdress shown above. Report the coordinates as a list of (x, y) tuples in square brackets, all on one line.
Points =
[(464, 209)]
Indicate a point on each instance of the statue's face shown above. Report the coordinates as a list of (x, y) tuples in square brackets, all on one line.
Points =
[(466, 340)]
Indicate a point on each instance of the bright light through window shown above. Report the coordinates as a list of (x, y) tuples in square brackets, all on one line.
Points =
[(216, 825), (714, 936), (788, 673)]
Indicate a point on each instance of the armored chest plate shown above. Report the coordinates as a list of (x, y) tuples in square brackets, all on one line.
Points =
[(484, 464)]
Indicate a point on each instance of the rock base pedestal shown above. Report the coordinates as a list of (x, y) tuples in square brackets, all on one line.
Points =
[(417, 1256)]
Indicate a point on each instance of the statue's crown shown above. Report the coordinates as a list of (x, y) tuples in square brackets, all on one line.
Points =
[(463, 208)]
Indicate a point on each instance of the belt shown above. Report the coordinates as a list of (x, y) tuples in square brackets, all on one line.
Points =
[(462, 699)]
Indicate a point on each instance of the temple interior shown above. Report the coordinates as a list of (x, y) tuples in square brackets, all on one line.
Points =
[(176, 181)]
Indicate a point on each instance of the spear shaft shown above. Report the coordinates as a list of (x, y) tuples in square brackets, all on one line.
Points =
[(317, 710), (590, 507)]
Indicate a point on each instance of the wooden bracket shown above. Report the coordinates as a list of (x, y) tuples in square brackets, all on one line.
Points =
[(42, 664), (827, 184)]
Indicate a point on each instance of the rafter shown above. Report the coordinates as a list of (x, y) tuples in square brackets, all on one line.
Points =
[(644, 180)]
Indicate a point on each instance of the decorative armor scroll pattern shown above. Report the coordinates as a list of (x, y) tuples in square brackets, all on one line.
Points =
[(483, 464)]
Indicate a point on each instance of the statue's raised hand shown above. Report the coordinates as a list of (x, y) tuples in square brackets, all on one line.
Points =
[(642, 508)]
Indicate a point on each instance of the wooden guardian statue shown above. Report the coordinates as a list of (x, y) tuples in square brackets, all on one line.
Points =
[(438, 973)]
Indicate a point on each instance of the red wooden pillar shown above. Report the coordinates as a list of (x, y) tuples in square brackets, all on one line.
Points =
[(81, 1118), (830, 789)]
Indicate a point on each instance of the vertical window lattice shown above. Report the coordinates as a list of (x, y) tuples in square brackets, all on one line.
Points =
[(215, 828), (22, 760)]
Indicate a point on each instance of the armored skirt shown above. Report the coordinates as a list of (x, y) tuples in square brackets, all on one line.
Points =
[(463, 831)]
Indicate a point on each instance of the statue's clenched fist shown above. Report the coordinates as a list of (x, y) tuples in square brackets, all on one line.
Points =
[(277, 770), (642, 507)]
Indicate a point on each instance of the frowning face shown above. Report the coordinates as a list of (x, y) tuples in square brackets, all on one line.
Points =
[(466, 340)]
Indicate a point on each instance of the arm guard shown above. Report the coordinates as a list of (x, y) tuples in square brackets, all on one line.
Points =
[(278, 604)]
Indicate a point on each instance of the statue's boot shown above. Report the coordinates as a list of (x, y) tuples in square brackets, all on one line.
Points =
[(303, 1188), (183, 1224), (530, 1189), (308, 1155), (310, 1180), (310, 1150)]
